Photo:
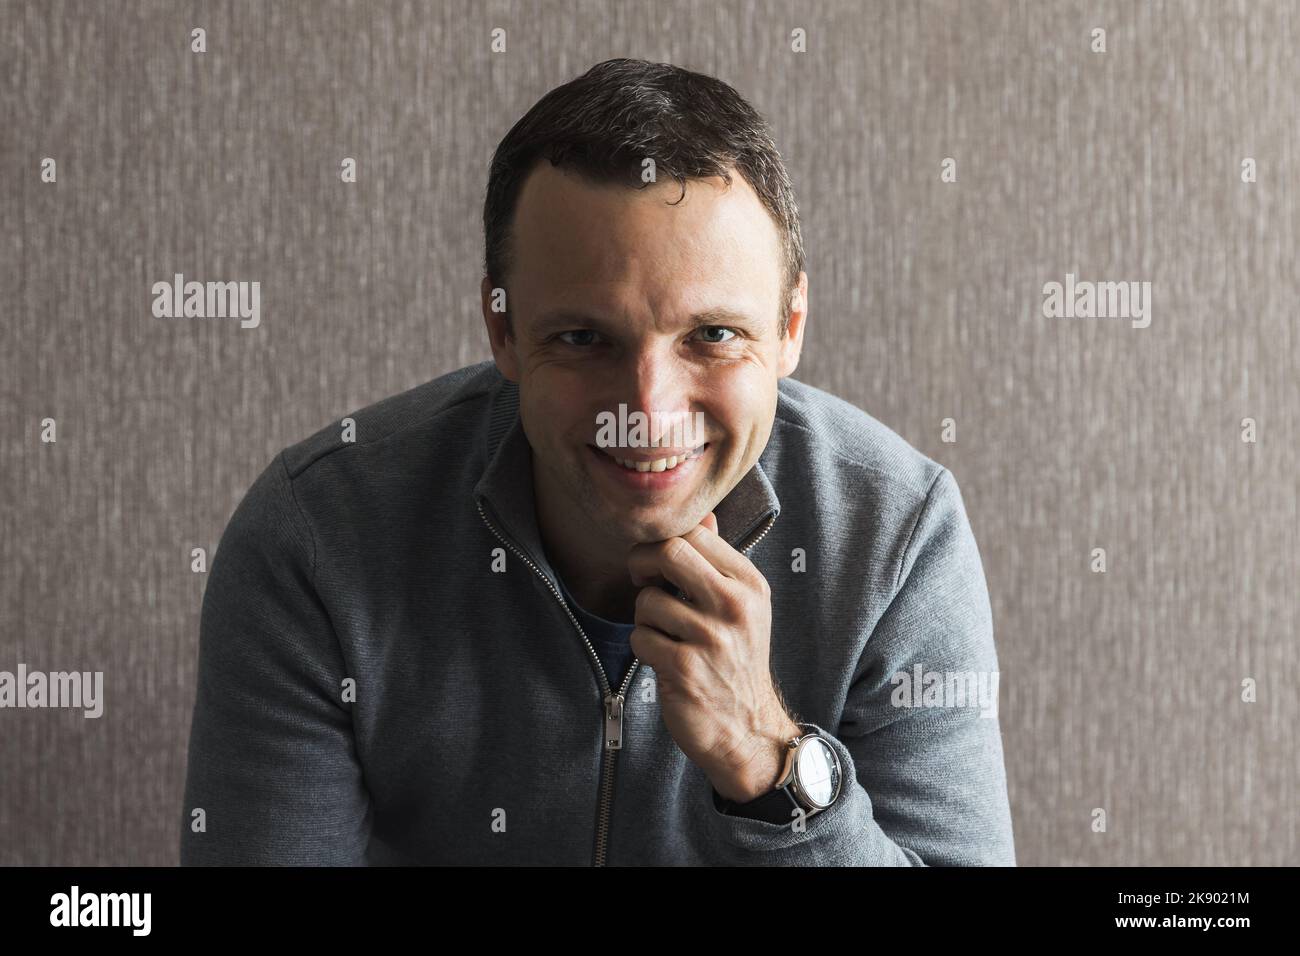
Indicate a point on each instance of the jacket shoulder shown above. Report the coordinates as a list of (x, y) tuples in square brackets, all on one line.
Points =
[(831, 433), (391, 415)]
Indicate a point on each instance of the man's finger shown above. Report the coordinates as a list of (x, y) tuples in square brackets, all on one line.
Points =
[(652, 647), (722, 556), (658, 609), (680, 564)]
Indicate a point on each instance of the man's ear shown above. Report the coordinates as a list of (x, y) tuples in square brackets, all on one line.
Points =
[(500, 336), (792, 345)]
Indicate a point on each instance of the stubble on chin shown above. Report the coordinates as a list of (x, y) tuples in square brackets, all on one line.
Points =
[(601, 518)]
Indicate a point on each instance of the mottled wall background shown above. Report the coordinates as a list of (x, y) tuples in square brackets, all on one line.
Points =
[(1120, 691)]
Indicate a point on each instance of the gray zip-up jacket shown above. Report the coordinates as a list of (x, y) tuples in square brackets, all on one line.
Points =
[(388, 673)]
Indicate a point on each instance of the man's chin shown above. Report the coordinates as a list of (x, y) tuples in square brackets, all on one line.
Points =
[(665, 523)]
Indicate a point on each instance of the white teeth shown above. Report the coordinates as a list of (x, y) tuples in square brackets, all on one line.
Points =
[(661, 464)]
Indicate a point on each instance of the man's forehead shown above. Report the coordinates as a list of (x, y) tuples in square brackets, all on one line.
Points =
[(558, 211), (584, 246)]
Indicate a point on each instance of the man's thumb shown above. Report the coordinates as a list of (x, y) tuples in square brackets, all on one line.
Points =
[(711, 522)]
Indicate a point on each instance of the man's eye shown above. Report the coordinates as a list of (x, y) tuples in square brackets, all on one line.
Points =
[(717, 328), (577, 332)]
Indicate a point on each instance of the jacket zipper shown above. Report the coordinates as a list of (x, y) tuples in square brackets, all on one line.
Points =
[(771, 520), (614, 702)]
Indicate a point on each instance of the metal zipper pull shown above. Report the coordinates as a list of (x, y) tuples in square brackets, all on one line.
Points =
[(614, 722)]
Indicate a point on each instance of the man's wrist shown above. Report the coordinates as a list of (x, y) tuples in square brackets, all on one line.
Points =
[(762, 771)]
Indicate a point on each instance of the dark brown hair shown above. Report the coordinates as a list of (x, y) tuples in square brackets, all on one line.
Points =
[(603, 124)]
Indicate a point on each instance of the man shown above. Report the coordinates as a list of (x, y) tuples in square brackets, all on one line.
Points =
[(489, 629)]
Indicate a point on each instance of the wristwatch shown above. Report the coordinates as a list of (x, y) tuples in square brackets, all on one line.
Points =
[(810, 781)]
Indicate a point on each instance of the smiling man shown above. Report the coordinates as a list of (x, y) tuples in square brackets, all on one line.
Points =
[(482, 632)]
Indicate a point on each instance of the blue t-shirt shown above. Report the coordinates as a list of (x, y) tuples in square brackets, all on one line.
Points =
[(611, 639)]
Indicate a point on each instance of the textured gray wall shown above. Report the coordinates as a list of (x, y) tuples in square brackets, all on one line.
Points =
[(1120, 690)]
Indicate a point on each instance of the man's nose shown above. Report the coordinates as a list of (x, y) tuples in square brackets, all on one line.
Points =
[(657, 386)]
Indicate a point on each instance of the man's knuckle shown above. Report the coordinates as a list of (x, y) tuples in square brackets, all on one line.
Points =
[(730, 601), (675, 550)]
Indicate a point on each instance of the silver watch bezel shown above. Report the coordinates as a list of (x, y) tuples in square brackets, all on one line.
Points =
[(796, 785)]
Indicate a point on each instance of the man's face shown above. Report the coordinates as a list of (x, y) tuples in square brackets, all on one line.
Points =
[(609, 296)]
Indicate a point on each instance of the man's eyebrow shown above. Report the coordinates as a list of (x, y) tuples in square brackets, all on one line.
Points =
[(564, 319), (722, 316)]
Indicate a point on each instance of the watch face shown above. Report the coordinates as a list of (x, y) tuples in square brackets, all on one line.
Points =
[(818, 771)]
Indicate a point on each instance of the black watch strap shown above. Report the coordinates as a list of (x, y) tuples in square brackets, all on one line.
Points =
[(777, 806)]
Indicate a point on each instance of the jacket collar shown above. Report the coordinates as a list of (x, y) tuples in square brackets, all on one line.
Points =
[(505, 489)]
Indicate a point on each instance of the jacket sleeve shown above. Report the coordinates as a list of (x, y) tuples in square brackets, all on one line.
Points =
[(272, 760), (923, 785)]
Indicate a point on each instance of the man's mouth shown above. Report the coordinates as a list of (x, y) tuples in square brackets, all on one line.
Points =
[(643, 464)]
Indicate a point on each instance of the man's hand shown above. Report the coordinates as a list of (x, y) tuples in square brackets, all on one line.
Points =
[(711, 656)]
